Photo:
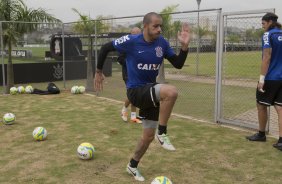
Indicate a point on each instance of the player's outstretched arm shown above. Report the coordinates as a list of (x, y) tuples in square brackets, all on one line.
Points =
[(99, 77)]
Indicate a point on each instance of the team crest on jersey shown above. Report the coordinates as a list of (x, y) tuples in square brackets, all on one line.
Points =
[(159, 52)]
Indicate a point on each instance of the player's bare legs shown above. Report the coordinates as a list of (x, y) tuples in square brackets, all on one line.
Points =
[(124, 110), (143, 144), (140, 150), (279, 112), (126, 103), (262, 116), (133, 115), (168, 96)]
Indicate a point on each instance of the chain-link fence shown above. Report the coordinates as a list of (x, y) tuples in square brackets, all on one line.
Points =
[(217, 81), (240, 68), (195, 81)]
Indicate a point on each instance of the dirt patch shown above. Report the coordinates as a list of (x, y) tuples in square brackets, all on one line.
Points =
[(211, 80), (250, 116)]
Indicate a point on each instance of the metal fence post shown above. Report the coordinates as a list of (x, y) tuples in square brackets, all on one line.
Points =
[(245, 115), (96, 48), (219, 39), (2, 56), (64, 62)]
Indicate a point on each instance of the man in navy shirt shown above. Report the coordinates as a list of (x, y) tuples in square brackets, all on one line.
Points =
[(269, 88), (144, 54), (122, 61)]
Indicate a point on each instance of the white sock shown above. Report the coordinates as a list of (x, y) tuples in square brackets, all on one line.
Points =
[(124, 109), (133, 115)]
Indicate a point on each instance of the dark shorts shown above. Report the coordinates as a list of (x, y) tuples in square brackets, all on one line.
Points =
[(145, 99), (272, 94)]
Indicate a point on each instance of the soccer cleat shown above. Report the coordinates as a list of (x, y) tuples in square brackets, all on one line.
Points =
[(124, 115), (136, 120), (278, 146), (256, 137), (135, 173), (165, 142)]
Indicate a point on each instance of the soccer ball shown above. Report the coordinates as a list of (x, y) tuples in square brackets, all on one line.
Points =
[(75, 90), (161, 180), (9, 118), (39, 133), (13, 90), (85, 151), (21, 89), (29, 89), (81, 89)]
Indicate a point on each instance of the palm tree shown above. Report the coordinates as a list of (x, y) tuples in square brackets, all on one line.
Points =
[(167, 28), (86, 26), (202, 31), (14, 12), (176, 26)]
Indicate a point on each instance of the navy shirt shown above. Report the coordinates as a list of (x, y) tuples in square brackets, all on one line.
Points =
[(273, 39), (143, 59)]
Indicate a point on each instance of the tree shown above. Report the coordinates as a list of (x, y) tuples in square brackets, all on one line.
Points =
[(167, 29), (167, 25), (176, 26), (86, 26), (102, 26), (15, 11), (202, 31), (233, 38)]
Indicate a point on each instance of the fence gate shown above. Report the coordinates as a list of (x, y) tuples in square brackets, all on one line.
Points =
[(238, 69)]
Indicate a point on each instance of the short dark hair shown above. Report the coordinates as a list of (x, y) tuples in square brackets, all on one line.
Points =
[(148, 17)]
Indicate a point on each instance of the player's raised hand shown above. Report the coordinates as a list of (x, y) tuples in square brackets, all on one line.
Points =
[(184, 36)]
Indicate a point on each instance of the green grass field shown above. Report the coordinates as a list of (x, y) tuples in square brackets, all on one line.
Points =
[(206, 153)]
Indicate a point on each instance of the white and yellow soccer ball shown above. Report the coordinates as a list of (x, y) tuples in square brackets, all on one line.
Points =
[(39, 133), (28, 89), (9, 118), (75, 90), (20, 89), (85, 151), (81, 89), (13, 90), (161, 180)]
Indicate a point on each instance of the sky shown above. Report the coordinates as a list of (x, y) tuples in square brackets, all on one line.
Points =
[(62, 9)]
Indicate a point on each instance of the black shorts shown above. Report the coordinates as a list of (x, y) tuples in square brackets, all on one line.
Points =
[(272, 94), (145, 99)]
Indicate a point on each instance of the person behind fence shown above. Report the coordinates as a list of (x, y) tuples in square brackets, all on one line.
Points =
[(269, 88), (122, 61), (144, 54)]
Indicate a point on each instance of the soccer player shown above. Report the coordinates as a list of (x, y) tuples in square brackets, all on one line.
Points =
[(144, 54), (269, 88), (122, 62)]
